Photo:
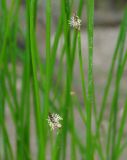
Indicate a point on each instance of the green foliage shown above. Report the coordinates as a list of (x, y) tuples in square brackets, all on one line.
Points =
[(39, 94)]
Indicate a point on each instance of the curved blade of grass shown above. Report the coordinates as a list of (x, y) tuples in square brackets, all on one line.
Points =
[(124, 116), (120, 133), (115, 100), (109, 80), (114, 107)]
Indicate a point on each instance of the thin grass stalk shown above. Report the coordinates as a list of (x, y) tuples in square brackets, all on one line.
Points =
[(60, 74), (40, 140), (84, 94), (121, 129), (2, 114), (48, 52), (98, 147), (98, 143), (80, 6), (35, 13), (13, 45), (14, 110), (109, 79), (3, 51), (122, 148), (8, 144), (10, 105), (79, 13), (14, 78), (5, 142), (55, 44), (72, 126), (66, 16), (4, 6), (124, 62), (26, 99), (78, 141), (113, 112), (57, 147), (83, 117), (82, 71), (115, 103), (94, 104), (4, 13), (24, 107), (111, 120), (73, 51), (2, 20), (3, 146), (7, 27), (26, 138), (83, 85), (90, 26), (10, 86), (38, 58), (65, 12), (47, 84), (122, 124), (73, 142)]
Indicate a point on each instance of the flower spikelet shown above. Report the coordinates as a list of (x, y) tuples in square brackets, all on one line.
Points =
[(54, 121), (75, 22)]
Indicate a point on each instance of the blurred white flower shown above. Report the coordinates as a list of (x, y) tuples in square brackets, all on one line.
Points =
[(72, 93), (53, 121), (75, 22)]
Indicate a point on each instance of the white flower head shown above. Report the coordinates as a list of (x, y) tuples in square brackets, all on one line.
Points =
[(72, 93), (75, 22), (53, 121)]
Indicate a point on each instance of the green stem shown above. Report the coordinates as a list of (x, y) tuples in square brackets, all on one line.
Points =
[(41, 154), (109, 80), (47, 83), (90, 26)]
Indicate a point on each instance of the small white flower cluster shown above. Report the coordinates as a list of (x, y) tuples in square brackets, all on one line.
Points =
[(72, 93), (75, 22), (53, 121)]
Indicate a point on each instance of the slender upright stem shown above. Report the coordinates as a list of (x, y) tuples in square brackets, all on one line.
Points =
[(41, 154), (90, 26)]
